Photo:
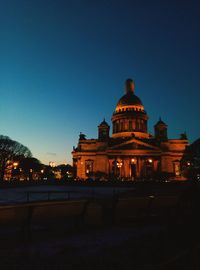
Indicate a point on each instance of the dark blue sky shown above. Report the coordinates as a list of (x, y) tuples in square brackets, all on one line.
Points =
[(63, 65)]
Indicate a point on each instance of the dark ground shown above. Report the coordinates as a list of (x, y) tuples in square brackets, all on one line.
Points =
[(145, 244), (119, 247)]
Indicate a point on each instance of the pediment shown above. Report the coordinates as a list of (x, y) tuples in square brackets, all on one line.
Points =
[(134, 144)]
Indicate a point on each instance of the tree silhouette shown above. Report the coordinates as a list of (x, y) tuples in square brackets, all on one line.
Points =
[(11, 151), (29, 165), (191, 160), (65, 170)]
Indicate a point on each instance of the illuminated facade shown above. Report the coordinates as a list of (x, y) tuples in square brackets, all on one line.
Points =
[(130, 152)]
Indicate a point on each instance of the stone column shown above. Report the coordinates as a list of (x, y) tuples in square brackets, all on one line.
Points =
[(138, 167), (141, 163), (122, 169), (110, 161), (126, 168)]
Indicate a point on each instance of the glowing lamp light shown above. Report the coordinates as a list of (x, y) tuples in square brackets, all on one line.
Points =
[(133, 160), (188, 163), (52, 164), (119, 164), (150, 160), (15, 164)]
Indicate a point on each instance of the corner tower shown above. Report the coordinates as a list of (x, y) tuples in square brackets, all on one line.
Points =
[(129, 118), (103, 129), (160, 129)]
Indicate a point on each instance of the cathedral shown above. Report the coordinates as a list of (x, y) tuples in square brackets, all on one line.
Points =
[(131, 152)]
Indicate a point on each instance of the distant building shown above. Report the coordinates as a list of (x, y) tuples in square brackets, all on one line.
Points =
[(131, 152)]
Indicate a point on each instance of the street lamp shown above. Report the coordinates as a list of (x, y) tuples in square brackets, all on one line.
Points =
[(119, 164), (14, 170), (15, 164), (133, 160)]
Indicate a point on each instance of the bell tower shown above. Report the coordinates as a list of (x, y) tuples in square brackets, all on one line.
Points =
[(103, 129), (161, 130)]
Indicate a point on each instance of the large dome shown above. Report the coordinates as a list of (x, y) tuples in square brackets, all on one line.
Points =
[(129, 117), (129, 99)]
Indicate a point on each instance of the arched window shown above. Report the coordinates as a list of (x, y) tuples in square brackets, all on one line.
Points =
[(136, 125), (89, 166), (133, 124), (130, 126), (121, 126), (116, 127)]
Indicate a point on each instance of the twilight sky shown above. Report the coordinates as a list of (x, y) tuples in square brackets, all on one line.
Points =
[(63, 64)]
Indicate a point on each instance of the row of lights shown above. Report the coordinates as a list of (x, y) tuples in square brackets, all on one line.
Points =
[(133, 160), (15, 165)]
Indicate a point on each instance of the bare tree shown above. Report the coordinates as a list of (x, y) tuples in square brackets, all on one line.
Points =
[(11, 150)]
